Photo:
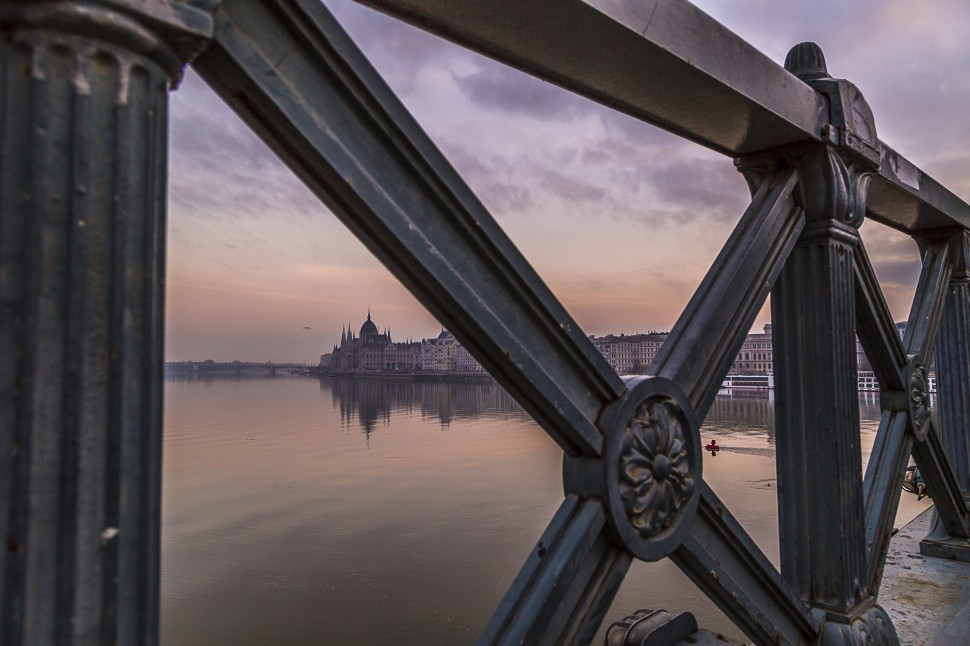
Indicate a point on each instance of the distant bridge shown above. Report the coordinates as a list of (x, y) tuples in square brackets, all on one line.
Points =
[(235, 367)]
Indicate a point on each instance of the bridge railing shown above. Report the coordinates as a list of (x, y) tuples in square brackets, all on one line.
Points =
[(82, 187)]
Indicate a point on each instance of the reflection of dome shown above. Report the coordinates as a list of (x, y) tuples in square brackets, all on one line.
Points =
[(368, 328)]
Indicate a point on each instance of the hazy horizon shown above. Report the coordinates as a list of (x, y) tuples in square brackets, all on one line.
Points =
[(620, 219)]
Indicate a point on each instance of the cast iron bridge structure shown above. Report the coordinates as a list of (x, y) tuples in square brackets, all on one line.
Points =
[(82, 190)]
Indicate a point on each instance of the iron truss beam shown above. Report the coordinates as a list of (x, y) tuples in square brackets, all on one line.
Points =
[(728, 566), (670, 64), (716, 321), (907, 424), (662, 61)]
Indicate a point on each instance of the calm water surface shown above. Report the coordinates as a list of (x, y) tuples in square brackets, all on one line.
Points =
[(304, 511)]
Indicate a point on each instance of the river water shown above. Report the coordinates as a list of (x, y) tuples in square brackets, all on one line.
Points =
[(324, 511)]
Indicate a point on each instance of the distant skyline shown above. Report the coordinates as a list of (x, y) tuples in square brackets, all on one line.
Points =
[(620, 219)]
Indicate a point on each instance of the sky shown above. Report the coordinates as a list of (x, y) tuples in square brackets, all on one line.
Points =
[(621, 219)]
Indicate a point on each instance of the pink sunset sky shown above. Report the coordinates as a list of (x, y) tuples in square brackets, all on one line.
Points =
[(621, 219)]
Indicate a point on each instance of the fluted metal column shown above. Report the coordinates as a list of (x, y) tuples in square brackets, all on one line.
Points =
[(817, 417), (953, 366), (83, 136), (820, 489)]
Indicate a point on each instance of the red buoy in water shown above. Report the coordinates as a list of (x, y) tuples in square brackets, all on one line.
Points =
[(713, 446)]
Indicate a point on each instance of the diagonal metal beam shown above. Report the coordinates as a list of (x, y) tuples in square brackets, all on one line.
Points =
[(942, 484), (894, 439), (566, 585), (669, 64), (296, 78), (882, 487), (953, 363), (708, 335), (729, 567), (921, 331), (927, 310), (875, 326)]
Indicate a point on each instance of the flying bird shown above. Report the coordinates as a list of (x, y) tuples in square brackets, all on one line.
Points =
[(307, 328)]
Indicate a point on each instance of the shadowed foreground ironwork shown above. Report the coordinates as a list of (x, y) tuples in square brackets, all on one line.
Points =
[(82, 188)]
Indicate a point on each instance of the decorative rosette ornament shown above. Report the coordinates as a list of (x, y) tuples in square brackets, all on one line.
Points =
[(919, 399), (653, 467), (655, 476)]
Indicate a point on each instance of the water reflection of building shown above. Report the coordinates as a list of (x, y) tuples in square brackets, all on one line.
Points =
[(870, 405), (743, 412), (753, 412), (370, 403)]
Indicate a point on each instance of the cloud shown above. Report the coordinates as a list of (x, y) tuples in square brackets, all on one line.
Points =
[(897, 272), (620, 217), (493, 180), (622, 128), (221, 169), (502, 88), (400, 52), (896, 261), (572, 189), (911, 64)]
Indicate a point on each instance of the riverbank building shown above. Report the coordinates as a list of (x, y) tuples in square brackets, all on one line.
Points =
[(372, 351)]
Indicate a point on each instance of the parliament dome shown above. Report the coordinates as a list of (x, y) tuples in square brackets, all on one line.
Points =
[(368, 328)]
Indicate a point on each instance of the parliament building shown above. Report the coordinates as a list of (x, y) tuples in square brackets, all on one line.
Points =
[(372, 351)]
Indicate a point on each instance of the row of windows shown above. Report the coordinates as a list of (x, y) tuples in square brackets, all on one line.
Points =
[(754, 366), (755, 356)]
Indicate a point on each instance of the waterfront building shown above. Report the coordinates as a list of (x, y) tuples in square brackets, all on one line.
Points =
[(371, 351), (632, 354), (629, 354), (465, 362), (755, 356), (441, 353), (374, 351), (445, 354)]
